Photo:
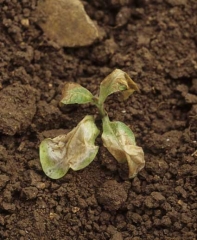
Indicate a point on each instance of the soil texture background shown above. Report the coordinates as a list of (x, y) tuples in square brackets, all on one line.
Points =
[(155, 42)]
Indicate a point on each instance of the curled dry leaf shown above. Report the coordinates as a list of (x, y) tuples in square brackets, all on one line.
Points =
[(74, 93), (117, 81), (74, 150), (120, 142)]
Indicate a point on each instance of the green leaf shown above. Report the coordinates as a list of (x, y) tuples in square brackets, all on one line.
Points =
[(74, 93), (120, 142), (117, 81), (75, 150)]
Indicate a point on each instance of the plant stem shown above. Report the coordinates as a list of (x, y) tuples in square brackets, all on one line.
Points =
[(100, 107)]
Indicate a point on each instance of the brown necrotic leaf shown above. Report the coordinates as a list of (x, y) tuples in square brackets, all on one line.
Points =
[(74, 150), (117, 81), (120, 142)]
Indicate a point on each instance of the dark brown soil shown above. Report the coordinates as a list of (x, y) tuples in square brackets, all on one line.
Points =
[(155, 42)]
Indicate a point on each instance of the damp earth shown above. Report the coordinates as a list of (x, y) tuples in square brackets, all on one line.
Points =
[(155, 42)]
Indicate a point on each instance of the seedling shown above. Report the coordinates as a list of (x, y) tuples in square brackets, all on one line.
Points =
[(77, 149)]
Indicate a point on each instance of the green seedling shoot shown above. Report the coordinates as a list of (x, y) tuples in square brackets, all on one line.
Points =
[(77, 149)]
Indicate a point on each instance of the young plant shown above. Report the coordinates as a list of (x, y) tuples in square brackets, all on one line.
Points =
[(77, 149)]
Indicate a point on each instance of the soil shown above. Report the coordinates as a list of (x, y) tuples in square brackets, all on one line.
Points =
[(155, 42)]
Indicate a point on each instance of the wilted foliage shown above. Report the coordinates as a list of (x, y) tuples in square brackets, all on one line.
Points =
[(77, 149)]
